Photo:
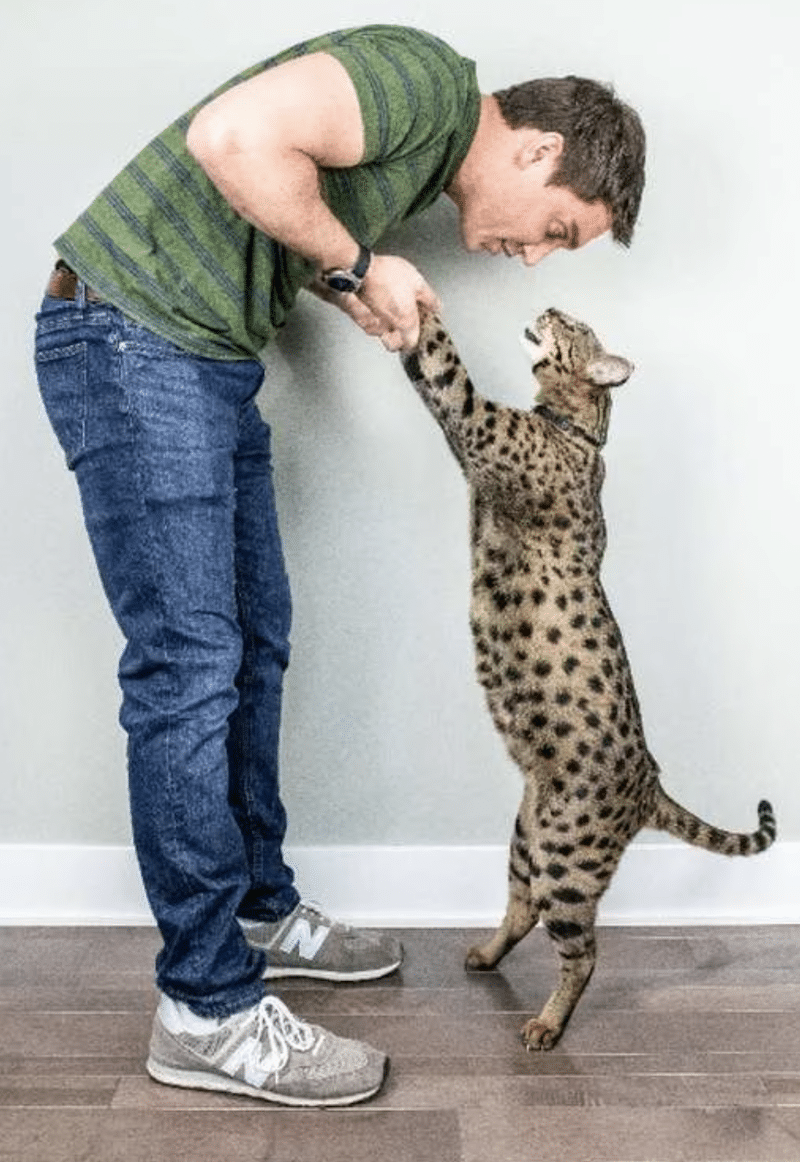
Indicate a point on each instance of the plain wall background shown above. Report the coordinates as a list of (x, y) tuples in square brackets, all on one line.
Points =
[(386, 737)]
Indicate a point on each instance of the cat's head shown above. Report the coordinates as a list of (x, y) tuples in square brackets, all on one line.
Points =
[(570, 364)]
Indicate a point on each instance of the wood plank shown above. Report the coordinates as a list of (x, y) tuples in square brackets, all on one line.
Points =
[(420, 1090), (243, 1133), (628, 1135)]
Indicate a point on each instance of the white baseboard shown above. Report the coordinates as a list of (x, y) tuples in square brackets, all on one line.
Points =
[(656, 884)]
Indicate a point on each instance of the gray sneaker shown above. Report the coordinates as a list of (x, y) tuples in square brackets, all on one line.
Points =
[(265, 1052), (309, 943)]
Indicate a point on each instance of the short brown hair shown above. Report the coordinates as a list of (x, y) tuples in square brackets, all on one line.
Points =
[(604, 141)]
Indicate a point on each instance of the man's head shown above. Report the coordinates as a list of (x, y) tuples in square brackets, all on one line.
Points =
[(604, 143), (554, 164)]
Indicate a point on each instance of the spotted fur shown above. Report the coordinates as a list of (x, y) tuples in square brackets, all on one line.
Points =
[(549, 653)]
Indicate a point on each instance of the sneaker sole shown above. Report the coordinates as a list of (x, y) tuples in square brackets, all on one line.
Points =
[(276, 971), (218, 1082)]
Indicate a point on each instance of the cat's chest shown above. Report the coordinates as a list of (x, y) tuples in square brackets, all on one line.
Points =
[(559, 520)]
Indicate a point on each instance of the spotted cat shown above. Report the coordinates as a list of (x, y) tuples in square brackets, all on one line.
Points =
[(549, 653)]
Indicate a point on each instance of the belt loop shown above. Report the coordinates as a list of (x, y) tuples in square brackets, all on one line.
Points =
[(80, 294)]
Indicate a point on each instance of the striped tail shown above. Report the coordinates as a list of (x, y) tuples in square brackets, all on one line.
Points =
[(669, 816)]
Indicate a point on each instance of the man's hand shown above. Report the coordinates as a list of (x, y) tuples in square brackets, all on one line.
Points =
[(394, 291), (389, 302)]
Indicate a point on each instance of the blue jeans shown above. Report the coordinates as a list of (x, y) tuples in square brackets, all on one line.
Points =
[(172, 460)]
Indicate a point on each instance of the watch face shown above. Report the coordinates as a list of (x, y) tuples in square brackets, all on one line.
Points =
[(342, 281), (349, 281)]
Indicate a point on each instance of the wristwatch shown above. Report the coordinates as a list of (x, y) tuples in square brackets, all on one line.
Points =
[(349, 281)]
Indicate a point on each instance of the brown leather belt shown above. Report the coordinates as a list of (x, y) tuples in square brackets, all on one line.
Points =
[(63, 284)]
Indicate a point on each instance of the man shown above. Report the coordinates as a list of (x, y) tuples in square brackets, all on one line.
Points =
[(166, 290)]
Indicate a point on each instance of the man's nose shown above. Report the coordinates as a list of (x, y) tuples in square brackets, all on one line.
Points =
[(536, 251)]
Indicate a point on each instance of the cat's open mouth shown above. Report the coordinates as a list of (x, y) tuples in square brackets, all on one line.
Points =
[(533, 344)]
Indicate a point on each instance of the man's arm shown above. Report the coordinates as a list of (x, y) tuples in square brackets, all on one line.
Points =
[(262, 143)]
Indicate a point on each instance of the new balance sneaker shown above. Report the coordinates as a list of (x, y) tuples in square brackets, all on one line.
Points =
[(309, 943), (263, 1052)]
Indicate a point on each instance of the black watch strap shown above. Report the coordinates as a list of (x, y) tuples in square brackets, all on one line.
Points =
[(349, 281)]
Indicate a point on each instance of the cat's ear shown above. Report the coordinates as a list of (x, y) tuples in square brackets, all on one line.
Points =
[(608, 371)]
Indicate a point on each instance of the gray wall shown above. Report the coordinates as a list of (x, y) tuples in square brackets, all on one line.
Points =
[(386, 738)]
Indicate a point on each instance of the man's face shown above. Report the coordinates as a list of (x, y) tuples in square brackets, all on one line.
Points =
[(513, 211)]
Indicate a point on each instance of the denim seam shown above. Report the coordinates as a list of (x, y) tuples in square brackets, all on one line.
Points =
[(254, 848), (121, 350), (248, 751)]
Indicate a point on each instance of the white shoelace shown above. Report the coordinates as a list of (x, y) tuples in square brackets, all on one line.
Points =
[(277, 1031)]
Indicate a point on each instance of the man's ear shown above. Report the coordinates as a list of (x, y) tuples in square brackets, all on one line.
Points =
[(540, 146)]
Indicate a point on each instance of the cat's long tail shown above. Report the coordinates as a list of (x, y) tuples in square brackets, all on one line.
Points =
[(667, 815)]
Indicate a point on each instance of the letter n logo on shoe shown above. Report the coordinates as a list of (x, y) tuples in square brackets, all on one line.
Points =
[(247, 1062), (306, 942)]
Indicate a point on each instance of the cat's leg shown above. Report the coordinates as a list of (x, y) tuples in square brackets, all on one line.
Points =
[(444, 385), (521, 913), (571, 928)]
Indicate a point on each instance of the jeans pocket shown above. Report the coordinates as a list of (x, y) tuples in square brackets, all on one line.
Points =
[(62, 382)]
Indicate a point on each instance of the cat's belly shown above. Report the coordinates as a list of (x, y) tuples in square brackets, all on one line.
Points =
[(558, 682)]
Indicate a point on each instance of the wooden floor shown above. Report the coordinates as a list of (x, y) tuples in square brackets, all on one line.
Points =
[(686, 1047)]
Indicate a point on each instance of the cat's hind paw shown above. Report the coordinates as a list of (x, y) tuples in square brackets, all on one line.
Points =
[(537, 1035), (478, 960)]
